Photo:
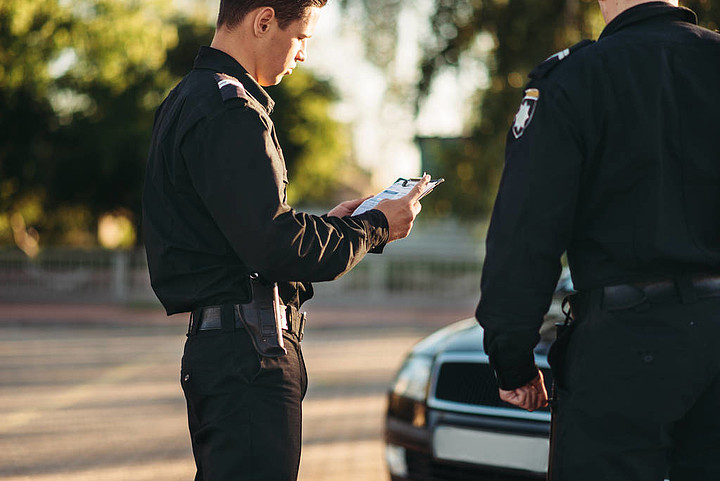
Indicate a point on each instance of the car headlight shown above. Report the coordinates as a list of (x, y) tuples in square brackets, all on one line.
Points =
[(410, 390), (413, 378)]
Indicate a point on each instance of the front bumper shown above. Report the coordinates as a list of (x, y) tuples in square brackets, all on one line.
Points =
[(459, 447)]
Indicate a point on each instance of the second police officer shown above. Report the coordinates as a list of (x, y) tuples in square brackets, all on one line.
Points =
[(614, 158)]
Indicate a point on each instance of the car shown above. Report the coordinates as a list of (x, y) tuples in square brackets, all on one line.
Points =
[(445, 420)]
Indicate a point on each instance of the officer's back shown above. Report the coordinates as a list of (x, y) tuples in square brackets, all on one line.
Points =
[(613, 157), (647, 91)]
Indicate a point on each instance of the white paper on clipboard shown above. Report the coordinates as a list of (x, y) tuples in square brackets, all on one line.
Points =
[(398, 189)]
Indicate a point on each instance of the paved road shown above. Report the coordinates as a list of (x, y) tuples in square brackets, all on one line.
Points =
[(101, 401)]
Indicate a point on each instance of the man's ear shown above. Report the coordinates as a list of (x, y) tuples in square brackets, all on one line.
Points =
[(262, 21)]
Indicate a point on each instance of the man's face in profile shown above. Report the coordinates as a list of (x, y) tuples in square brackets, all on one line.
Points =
[(286, 47)]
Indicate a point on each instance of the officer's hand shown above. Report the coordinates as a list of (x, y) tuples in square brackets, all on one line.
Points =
[(347, 207), (531, 396), (400, 213)]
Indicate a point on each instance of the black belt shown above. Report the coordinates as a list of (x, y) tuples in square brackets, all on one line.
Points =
[(686, 289), (210, 317)]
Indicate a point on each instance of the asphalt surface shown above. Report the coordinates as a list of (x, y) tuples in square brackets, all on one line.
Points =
[(92, 392)]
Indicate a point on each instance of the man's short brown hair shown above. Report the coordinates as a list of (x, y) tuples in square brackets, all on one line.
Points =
[(232, 12)]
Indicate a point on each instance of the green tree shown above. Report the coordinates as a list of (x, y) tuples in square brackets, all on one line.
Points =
[(316, 148), (81, 81)]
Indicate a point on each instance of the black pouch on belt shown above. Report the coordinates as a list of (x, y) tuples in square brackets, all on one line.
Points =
[(557, 355), (261, 318)]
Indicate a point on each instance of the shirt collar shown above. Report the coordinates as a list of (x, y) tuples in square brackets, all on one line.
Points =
[(213, 59), (644, 11)]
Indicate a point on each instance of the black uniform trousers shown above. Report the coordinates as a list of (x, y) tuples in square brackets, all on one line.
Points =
[(244, 411), (641, 392)]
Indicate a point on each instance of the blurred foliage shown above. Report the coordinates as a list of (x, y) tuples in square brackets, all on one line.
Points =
[(522, 33), (81, 80), (316, 148)]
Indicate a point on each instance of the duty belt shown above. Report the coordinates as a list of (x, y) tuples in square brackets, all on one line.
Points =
[(686, 289), (210, 317)]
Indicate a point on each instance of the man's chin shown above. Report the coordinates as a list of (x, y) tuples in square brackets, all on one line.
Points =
[(272, 82)]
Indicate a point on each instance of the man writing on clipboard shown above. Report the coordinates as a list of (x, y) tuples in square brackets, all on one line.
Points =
[(220, 236)]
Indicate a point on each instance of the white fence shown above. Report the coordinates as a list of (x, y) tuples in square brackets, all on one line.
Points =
[(426, 269), (72, 275)]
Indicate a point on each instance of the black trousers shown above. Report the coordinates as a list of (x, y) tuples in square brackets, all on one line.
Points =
[(640, 394), (244, 411)]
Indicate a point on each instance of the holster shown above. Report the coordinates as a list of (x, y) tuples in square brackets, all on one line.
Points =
[(557, 359), (558, 350), (263, 319)]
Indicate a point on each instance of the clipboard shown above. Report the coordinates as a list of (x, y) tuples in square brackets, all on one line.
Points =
[(398, 189)]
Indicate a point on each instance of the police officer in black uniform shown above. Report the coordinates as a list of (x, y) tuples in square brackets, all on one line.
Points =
[(614, 158), (223, 243)]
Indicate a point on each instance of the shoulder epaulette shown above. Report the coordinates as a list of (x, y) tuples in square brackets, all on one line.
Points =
[(544, 68), (230, 87)]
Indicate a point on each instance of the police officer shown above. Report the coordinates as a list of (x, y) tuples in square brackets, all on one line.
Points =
[(614, 158), (218, 231)]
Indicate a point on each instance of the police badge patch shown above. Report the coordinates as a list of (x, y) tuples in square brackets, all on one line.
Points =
[(526, 112)]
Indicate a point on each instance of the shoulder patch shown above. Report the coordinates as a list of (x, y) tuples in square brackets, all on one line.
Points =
[(544, 68), (526, 112), (230, 87)]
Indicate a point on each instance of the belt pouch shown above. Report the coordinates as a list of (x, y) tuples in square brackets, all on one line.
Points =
[(557, 355), (194, 325), (301, 328)]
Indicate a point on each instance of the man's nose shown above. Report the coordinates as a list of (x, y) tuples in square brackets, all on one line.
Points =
[(302, 53)]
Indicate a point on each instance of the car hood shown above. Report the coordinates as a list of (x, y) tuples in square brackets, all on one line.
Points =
[(461, 336)]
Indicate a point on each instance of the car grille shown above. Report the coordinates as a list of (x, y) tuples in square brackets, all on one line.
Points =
[(422, 467), (473, 383)]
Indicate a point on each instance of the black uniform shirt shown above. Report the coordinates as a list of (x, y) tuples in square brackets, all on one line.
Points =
[(214, 204), (614, 156)]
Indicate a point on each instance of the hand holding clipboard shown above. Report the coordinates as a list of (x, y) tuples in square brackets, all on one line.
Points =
[(397, 190), (400, 203)]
